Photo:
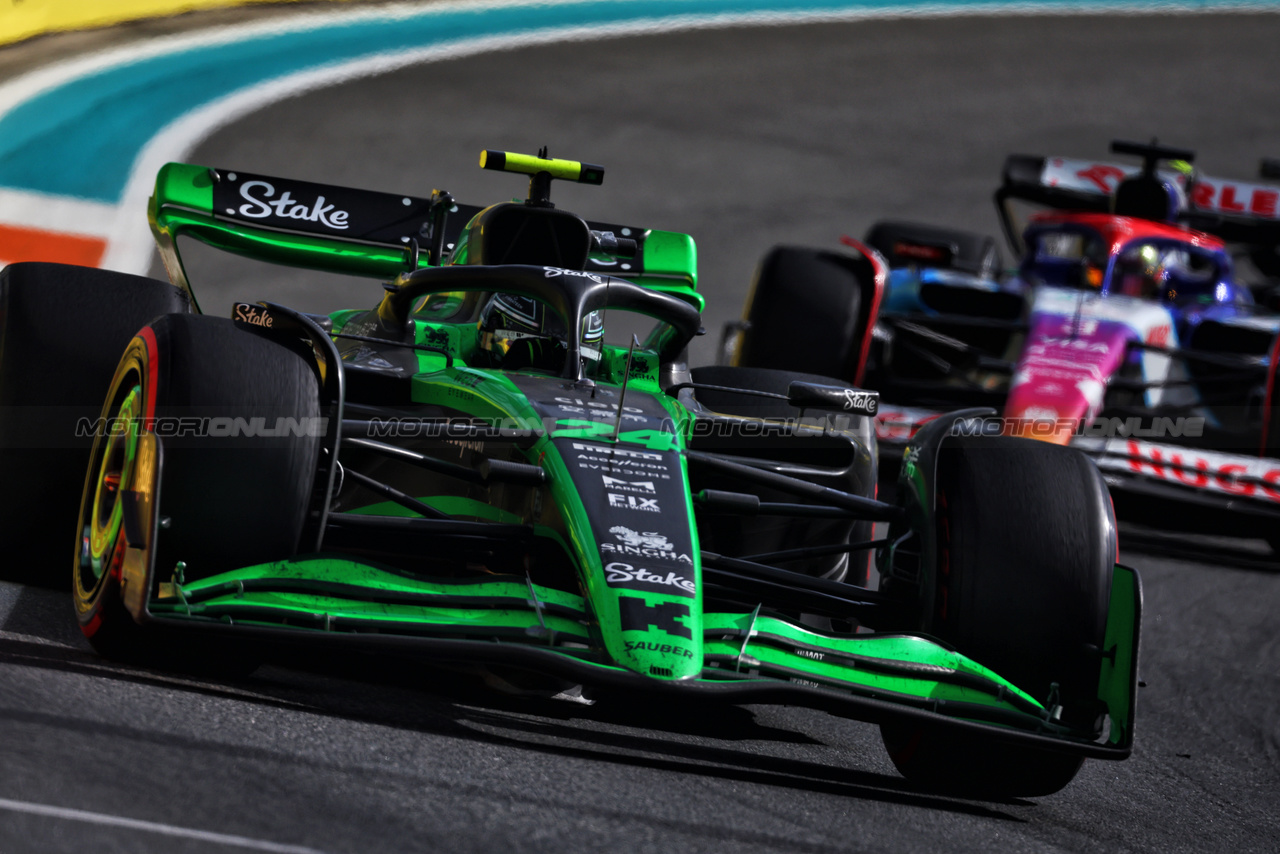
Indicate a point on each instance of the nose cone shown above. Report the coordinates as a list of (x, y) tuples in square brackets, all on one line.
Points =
[(1059, 381), (1051, 410)]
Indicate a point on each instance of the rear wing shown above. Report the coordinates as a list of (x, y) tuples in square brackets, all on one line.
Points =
[(360, 232), (1239, 212)]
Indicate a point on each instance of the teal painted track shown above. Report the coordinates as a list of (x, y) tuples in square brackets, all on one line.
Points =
[(80, 139), (833, 127)]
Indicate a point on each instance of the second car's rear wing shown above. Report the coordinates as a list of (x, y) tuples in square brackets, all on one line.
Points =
[(1061, 183), (361, 232), (1237, 211)]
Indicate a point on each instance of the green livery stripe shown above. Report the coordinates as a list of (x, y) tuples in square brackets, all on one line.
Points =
[(339, 595), (364, 580), (899, 664), (331, 615)]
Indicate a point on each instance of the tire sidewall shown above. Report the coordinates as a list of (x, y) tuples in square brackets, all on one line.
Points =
[(98, 602)]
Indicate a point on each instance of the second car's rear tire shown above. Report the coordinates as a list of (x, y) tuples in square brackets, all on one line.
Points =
[(809, 312)]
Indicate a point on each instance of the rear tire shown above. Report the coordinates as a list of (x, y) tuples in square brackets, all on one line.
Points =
[(1026, 547), (62, 330), (230, 500), (809, 312)]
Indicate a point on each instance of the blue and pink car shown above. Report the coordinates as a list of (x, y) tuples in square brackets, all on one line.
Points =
[(1126, 331)]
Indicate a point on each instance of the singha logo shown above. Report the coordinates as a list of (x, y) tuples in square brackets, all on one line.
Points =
[(647, 540)]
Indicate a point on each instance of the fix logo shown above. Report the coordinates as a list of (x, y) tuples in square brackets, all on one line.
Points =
[(637, 616), (257, 193), (633, 502), (642, 486), (621, 574)]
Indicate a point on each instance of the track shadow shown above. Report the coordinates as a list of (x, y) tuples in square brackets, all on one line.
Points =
[(725, 763), (459, 705), (41, 613)]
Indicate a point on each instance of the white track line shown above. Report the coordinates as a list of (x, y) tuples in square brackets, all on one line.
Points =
[(34, 83), (153, 827), (130, 245), (26, 209), (15, 92)]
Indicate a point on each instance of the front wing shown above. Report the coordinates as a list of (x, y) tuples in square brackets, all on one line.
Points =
[(756, 657)]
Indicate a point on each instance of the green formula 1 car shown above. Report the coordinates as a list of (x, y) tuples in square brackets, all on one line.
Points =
[(507, 463)]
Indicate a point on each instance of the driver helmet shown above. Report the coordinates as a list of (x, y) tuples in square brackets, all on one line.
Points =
[(1139, 273), (521, 332)]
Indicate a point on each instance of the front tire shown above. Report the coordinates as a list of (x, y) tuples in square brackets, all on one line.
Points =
[(228, 497), (1026, 548)]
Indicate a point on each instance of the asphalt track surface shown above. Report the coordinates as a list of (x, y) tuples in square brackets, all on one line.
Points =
[(744, 138)]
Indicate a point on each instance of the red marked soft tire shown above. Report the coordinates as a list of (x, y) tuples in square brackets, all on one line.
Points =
[(226, 499)]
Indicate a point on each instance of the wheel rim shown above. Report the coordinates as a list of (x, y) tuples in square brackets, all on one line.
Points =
[(111, 472)]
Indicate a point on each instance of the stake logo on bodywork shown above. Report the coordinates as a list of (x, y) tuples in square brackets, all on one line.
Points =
[(617, 573), (635, 497), (301, 206), (637, 503)]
